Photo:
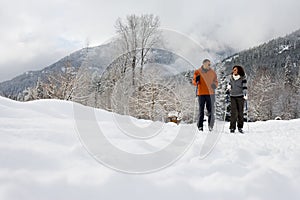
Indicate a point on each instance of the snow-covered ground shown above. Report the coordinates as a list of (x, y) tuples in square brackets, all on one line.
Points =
[(41, 157)]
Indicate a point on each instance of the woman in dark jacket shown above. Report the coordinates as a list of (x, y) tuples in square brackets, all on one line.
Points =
[(238, 94)]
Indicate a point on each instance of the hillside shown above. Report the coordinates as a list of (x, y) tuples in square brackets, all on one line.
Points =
[(271, 55)]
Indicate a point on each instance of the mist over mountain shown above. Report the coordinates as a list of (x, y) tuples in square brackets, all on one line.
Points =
[(99, 58)]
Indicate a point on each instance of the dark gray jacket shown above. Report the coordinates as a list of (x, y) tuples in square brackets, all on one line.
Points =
[(238, 87)]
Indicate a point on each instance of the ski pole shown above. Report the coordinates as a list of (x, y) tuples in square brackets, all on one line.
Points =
[(247, 113), (195, 110), (195, 120), (225, 110)]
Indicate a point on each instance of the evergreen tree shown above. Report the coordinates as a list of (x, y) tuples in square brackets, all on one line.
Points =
[(290, 92), (40, 89), (221, 99), (288, 78)]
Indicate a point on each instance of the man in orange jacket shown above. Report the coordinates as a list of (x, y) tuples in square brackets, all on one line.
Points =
[(205, 79)]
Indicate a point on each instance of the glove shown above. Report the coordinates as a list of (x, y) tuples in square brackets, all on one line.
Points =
[(197, 79), (213, 86), (228, 87), (245, 97)]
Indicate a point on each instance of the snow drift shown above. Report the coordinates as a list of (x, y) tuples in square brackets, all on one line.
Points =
[(41, 157)]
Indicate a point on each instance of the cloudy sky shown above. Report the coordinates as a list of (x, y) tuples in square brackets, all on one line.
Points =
[(37, 33)]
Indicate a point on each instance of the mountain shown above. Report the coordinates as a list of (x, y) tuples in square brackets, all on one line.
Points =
[(98, 58), (270, 55)]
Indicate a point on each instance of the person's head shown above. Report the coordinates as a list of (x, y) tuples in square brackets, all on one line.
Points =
[(206, 63), (238, 70)]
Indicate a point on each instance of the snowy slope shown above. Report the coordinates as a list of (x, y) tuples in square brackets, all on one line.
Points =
[(41, 157)]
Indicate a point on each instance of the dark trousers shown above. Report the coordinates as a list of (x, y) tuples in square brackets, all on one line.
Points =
[(237, 112), (209, 101)]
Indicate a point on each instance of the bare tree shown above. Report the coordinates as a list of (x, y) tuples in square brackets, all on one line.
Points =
[(138, 35), (150, 36)]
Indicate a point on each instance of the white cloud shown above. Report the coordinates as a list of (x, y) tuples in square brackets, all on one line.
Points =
[(35, 34)]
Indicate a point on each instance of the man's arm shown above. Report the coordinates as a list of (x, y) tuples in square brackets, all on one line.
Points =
[(216, 80), (196, 78), (214, 84)]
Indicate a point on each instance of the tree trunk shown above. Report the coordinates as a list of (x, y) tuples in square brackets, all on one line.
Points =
[(133, 69)]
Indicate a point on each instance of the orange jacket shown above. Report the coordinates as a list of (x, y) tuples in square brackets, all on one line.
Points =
[(207, 78)]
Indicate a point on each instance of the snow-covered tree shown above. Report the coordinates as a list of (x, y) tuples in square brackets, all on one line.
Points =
[(37, 92), (290, 92), (40, 90), (261, 96), (60, 85), (157, 95), (83, 89), (30, 94), (298, 93)]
